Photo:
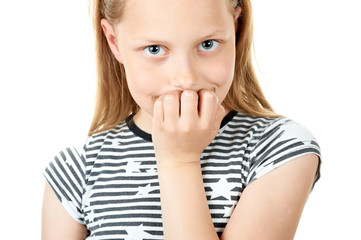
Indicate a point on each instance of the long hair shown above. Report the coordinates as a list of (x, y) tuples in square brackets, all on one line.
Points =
[(114, 102), (245, 94)]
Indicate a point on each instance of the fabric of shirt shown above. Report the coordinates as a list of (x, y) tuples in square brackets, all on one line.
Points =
[(110, 184)]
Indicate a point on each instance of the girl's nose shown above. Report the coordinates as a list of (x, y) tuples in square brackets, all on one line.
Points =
[(184, 74)]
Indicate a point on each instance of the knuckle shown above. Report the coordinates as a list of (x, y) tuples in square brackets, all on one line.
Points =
[(204, 128), (170, 129), (208, 95), (189, 94), (187, 128), (170, 97)]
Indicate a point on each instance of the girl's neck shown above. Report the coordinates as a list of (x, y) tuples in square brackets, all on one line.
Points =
[(144, 121)]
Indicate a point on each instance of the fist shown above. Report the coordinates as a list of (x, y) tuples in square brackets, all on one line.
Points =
[(184, 124)]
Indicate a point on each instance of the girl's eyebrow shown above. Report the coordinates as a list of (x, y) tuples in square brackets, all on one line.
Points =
[(217, 33)]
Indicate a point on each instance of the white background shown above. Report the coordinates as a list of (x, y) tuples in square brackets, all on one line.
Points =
[(309, 59)]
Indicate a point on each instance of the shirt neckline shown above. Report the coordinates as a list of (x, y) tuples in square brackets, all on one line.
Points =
[(148, 137)]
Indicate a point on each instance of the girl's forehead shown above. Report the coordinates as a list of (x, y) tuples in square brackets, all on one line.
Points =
[(176, 10), (176, 16)]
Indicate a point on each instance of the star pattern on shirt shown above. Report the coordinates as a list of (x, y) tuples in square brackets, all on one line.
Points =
[(145, 190), (222, 188), (91, 216), (115, 143), (136, 233), (133, 167), (101, 221), (292, 130), (132, 178), (118, 141), (152, 171), (228, 211)]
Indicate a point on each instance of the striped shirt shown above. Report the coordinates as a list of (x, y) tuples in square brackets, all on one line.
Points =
[(111, 186)]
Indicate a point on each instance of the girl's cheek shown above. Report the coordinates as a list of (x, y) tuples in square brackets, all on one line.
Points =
[(221, 72), (142, 76)]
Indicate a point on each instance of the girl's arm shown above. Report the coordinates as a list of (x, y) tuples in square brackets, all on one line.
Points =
[(271, 206), (57, 224), (185, 211)]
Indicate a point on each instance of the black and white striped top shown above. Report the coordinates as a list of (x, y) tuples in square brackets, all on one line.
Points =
[(110, 184)]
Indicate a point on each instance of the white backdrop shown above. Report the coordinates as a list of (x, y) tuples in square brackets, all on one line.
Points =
[(309, 59)]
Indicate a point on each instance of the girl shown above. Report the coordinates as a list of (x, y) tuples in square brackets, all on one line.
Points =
[(183, 144)]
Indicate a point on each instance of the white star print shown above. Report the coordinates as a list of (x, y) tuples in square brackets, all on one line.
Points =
[(115, 143), (221, 189), (152, 171), (101, 222), (145, 190), (132, 167), (136, 233), (292, 130), (91, 216), (228, 211)]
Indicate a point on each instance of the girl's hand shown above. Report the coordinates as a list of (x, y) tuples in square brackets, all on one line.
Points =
[(184, 124)]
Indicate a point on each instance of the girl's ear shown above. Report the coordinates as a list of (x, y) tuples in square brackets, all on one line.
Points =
[(111, 39)]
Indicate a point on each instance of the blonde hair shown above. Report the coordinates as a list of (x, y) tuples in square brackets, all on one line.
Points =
[(114, 102)]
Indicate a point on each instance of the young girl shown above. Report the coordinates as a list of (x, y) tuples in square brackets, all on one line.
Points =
[(183, 144)]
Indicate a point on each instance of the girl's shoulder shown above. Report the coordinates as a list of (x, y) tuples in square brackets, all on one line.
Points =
[(271, 142), (108, 136), (260, 127)]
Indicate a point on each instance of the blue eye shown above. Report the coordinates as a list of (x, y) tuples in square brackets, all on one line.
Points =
[(154, 51), (208, 45)]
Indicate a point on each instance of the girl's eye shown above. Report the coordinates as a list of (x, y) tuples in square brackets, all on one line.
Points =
[(208, 45), (154, 51)]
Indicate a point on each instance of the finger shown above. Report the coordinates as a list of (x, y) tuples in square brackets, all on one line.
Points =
[(171, 106), (208, 103), (220, 113), (189, 105), (158, 113)]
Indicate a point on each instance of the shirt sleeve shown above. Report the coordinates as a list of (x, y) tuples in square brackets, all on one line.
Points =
[(66, 175), (282, 141)]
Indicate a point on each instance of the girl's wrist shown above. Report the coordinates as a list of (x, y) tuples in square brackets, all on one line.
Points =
[(177, 162)]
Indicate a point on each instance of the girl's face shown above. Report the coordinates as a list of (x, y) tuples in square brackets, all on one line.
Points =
[(170, 45)]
